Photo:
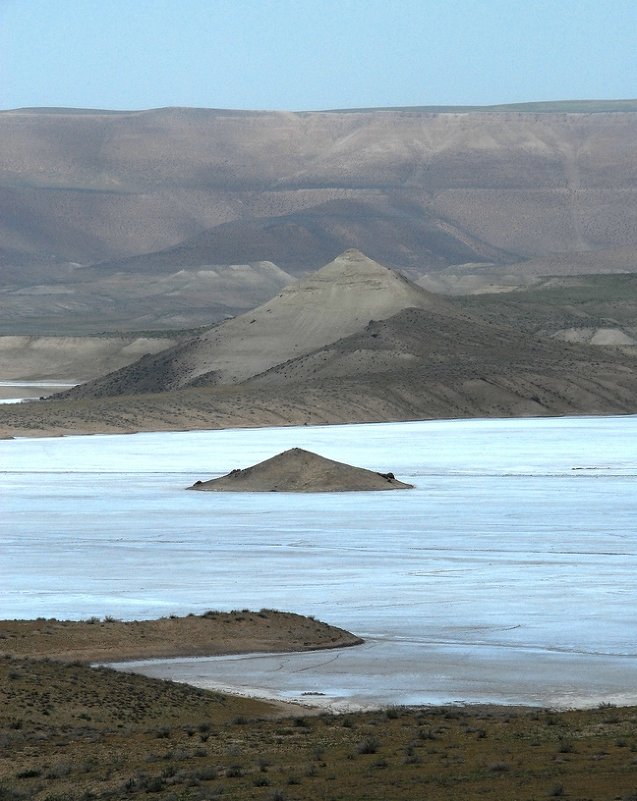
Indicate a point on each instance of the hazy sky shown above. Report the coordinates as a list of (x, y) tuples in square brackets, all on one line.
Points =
[(313, 54)]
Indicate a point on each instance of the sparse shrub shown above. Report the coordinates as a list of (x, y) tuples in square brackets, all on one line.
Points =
[(367, 746), (565, 747), (10, 794), (29, 773), (207, 774), (58, 771), (153, 784)]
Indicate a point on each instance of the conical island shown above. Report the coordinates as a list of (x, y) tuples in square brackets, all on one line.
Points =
[(298, 470)]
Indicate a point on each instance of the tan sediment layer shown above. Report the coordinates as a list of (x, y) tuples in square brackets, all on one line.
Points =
[(211, 634)]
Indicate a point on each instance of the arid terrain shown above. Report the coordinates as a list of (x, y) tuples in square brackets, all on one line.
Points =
[(298, 470), (74, 732), (209, 634), (176, 217), (192, 238), (202, 268), (356, 341)]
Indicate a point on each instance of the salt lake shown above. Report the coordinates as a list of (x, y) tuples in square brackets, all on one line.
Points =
[(506, 575)]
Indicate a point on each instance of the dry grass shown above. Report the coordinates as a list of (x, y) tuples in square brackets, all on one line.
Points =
[(74, 733), (69, 732), (194, 635)]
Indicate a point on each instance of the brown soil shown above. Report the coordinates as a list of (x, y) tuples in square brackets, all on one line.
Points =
[(210, 634), (298, 470), (76, 733), (72, 733)]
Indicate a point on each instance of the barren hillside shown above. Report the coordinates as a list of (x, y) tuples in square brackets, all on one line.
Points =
[(334, 302), (354, 342), (89, 186)]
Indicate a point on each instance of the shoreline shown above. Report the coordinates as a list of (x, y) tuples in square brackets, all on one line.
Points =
[(192, 636), (354, 622), (7, 434), (210, 634), (40, 640)]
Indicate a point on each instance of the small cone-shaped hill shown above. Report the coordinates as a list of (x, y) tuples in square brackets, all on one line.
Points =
[(298, 470), (337, 301)]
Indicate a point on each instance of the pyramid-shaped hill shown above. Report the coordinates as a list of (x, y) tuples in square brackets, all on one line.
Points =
[(298, 470), (335, 302)]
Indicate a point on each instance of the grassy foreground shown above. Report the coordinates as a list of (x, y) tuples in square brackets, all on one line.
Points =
[(69, 732)]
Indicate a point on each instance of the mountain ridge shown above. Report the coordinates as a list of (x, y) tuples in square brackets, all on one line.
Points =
[(93, 186)]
